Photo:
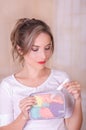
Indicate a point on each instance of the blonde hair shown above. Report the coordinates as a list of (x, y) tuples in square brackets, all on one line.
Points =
[(24, 34)]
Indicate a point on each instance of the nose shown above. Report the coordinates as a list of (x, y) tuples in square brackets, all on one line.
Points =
[(43, 55)]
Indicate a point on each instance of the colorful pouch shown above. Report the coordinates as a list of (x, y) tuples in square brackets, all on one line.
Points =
[(49, 105)]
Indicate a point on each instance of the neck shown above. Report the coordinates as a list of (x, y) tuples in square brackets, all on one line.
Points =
[(33, 73)]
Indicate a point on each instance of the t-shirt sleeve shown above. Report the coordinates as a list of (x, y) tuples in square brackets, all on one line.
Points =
[(6, 106)]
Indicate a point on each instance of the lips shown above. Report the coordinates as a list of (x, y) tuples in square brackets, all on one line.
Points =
[(42, 62)]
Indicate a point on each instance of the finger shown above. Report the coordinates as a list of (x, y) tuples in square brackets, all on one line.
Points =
[(25, 108), (27, 103), (72, 85), (21, 105), (73, 89), (28, 98)]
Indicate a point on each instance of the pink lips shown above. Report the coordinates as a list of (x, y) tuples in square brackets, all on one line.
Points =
[(42, 62)]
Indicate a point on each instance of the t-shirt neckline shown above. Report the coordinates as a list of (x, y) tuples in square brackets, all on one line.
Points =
[(45, 82)]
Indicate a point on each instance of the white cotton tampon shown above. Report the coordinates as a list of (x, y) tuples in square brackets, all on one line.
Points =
[(62, 85)]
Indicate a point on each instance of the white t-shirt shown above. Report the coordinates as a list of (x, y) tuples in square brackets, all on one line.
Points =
[(12, 91)]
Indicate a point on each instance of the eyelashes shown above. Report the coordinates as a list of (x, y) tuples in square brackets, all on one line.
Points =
[(48, 48), (34, 48)]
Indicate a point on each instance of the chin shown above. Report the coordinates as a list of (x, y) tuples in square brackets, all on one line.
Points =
[(40, 67)]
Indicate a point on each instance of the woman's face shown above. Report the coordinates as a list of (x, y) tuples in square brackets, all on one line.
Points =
[(40, 52)]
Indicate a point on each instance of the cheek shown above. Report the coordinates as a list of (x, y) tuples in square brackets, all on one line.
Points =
[(49, 54), (33, 56), (36, 56)]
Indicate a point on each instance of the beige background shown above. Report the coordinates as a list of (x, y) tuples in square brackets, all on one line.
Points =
[(67, 19)]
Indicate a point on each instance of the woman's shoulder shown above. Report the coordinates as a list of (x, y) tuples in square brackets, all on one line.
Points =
[(59, 74), (6, 81), (7, 78), (6, 85)]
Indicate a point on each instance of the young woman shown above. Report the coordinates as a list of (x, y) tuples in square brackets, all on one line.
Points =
[(33, 45)]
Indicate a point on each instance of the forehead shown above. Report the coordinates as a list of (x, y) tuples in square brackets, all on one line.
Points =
[(42, 39)]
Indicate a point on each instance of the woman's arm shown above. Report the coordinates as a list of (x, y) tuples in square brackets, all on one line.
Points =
[(22, 119), (17, 124), (75, 121)]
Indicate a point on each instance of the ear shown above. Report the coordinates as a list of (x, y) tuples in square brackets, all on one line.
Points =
[(19, 50)]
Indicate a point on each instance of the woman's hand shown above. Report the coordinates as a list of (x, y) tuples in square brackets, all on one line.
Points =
[(75, 121), (74, 88), (25, 105)]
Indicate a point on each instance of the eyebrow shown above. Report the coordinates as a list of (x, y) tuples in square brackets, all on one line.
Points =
[(39, 46)]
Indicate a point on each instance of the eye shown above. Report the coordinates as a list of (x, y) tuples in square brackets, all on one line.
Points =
[(34, 48), (49, 47)]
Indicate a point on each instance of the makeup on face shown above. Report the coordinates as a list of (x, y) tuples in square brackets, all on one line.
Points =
[(40, 51), (42, 62), (36, 48)]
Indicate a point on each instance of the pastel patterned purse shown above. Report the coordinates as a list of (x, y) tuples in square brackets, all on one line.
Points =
[(49, 104)]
